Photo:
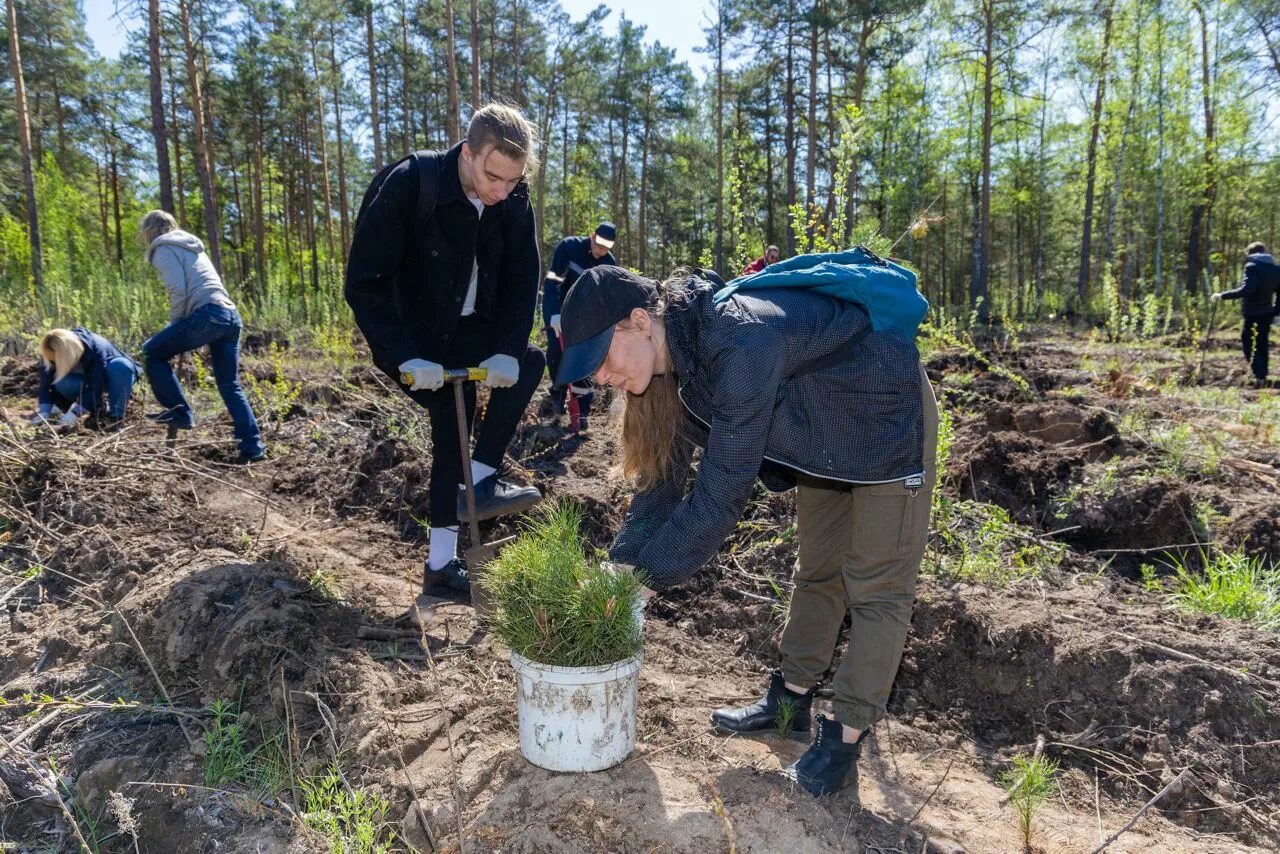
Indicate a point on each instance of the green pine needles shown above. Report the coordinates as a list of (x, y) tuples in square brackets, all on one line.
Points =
[(554, 605)]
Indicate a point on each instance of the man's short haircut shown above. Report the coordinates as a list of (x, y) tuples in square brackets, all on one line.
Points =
[(507, 130), (1255, 248), (772, 248)]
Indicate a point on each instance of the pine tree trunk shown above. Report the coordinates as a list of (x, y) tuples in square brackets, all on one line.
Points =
[(326, 189), (176, 135), (407, 144), (789, 127), (1159, 275), (475, 55), (1086, 237), (374, 116), (157, 105), (642, 253), (719, 241), (517, 91), (342, 161), (980, 285), (451, 63), (203, 162), (811, 148), (115, 201), (24, 142), (1199, 231)]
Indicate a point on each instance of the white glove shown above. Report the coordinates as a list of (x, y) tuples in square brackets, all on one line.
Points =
[(555, 323), (68, 419), (503, 371), (1215, 297), (426, 375)]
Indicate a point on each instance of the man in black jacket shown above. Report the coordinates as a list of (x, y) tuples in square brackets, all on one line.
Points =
[(1258, 293), (456, 287)]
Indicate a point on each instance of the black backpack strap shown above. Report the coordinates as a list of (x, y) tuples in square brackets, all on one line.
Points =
[(428, 166)]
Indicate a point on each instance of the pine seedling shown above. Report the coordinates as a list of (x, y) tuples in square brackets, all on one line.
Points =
[(785, 717), (1029, 783)]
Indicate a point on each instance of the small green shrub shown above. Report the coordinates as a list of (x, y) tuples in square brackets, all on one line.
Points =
[(352, 820), (1232, 585), (1029, 783), (227, 757), (555, 606)]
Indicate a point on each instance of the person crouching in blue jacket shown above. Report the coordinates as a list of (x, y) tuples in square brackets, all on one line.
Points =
[(797, 389), (78, 369), (200, 312)]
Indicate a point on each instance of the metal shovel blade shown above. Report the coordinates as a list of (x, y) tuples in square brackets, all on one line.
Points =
[(477, 557)]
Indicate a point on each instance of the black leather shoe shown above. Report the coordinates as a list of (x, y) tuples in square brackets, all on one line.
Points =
[(828, 764), (496, 496), (448, 581), (769, 712)]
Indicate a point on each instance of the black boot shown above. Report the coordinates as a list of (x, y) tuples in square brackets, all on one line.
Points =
[(770, 712), (447, 582), (496, 496), (828, 764)]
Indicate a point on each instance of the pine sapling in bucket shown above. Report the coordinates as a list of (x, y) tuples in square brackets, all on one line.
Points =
[(573, 627)]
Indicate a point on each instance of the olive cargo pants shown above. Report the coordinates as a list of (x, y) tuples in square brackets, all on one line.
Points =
[(860, 549)]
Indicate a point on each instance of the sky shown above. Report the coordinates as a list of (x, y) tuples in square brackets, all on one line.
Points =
[(676, 23)]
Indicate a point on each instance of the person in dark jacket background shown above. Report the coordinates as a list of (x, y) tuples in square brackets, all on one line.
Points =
[(790, 386), (457, 292), (1259, 293), (78, 369), (573, 257), (200, 313)]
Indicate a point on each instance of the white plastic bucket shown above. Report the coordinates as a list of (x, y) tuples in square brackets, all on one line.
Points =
[(576, 718)]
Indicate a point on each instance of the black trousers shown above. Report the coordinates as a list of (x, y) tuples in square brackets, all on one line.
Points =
[(1254, 340), (558, 394), (472, 344)]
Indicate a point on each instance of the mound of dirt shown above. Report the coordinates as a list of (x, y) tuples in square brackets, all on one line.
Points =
[(1060, 423), (1009, 668), (231, 628), (1256, 532), (1141, 520), (1020, 473)]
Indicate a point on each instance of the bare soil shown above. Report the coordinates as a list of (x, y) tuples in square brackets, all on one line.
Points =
[(174, 580)]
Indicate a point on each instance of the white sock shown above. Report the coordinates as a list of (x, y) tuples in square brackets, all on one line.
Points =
[(479, 471), (443, 548)]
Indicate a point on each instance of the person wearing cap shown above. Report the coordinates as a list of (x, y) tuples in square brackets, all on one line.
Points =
[(457, 289), (770, 256), (797, 389), (573, 257)]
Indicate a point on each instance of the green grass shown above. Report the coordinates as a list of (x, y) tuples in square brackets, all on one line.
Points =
[(1231, 585), (1029, 783), (227, 756), (353, 821), (979, 543), (555, 606)]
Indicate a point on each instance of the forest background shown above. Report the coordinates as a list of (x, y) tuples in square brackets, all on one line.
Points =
[(1109, 159)]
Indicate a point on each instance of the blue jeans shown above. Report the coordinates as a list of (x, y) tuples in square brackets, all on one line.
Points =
[(122, 373), (219, 327)]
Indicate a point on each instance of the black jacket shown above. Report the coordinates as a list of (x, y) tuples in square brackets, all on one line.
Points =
[(98, 351), (787, 377), (407, 289), (571, 259), (1259, 288)]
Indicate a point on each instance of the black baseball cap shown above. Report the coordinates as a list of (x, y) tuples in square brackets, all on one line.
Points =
[(600, 297), (606, 234)]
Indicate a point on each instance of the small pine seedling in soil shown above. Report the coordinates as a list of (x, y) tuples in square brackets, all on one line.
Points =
[(785, 717), (1029, 783)]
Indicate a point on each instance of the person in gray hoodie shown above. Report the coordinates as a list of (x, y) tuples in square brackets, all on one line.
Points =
[(200, 313)]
